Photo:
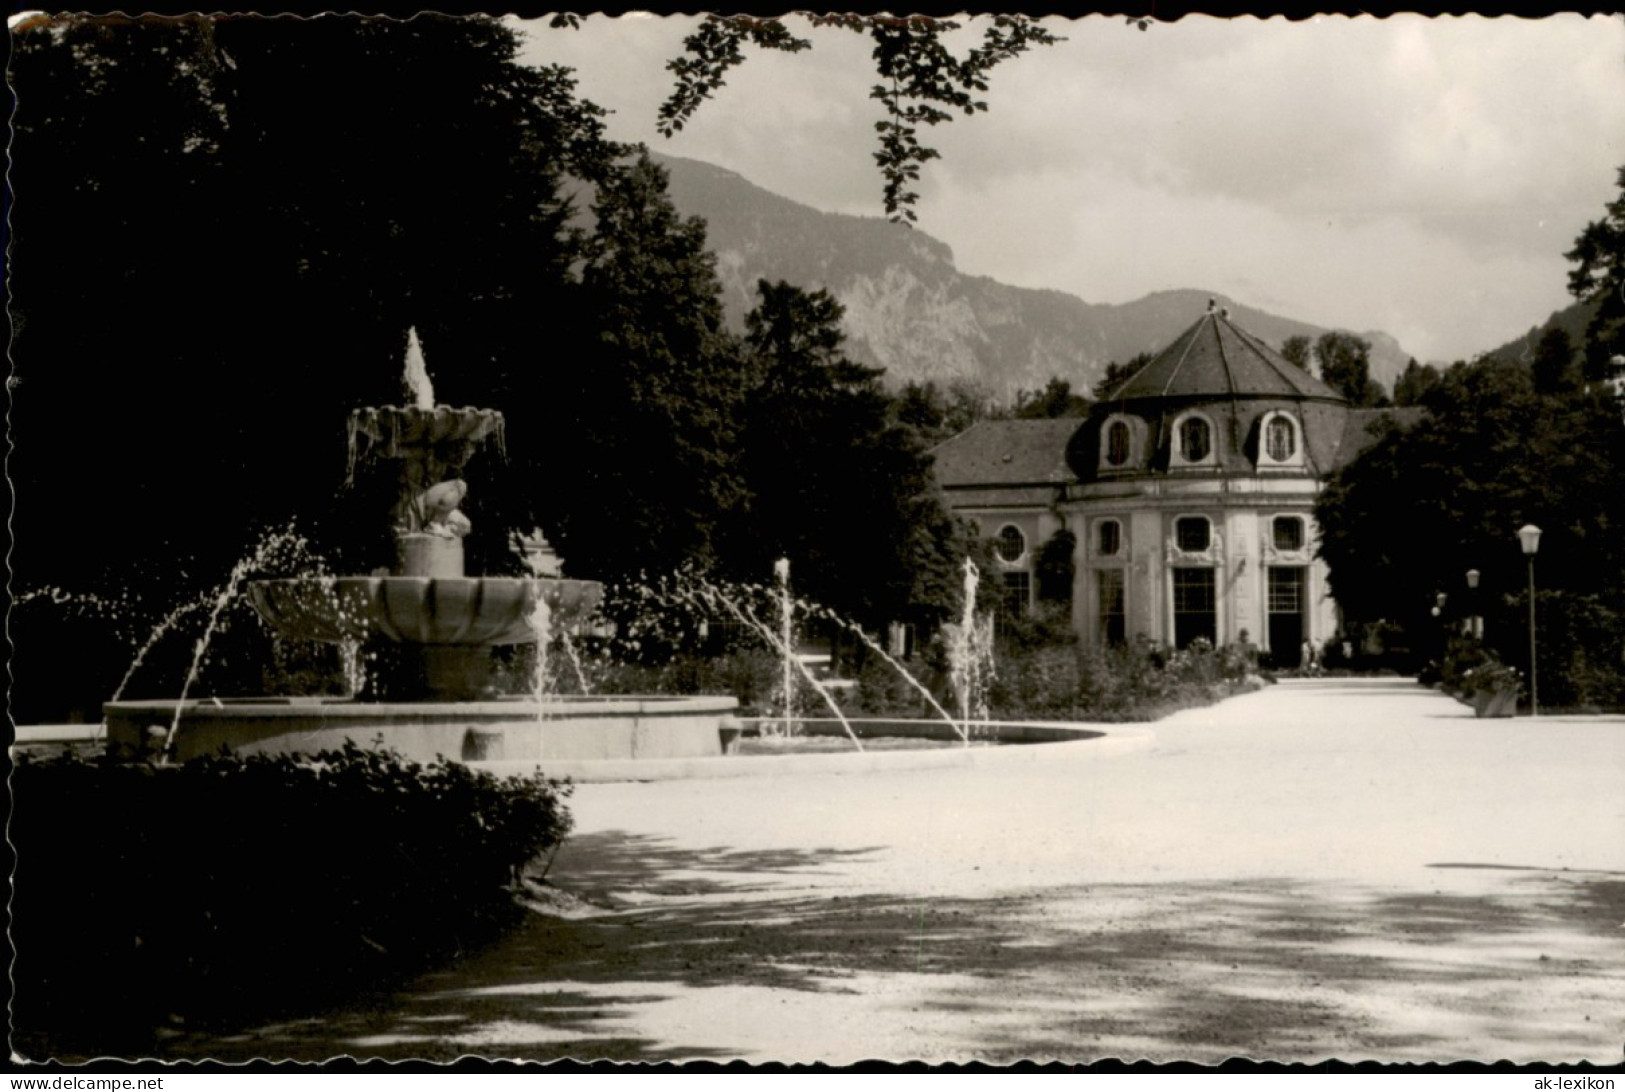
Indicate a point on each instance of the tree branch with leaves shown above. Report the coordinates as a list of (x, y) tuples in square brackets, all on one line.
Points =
[(922, 82)]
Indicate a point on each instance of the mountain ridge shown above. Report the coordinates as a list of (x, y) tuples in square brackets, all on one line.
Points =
[(911, 311)]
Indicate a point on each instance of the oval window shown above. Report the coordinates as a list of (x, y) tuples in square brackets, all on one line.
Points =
[(1011, 543)]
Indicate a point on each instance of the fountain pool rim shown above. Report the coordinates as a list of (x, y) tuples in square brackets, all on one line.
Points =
[(575, 728), (507, 707), (992, 731), (1078, 741)]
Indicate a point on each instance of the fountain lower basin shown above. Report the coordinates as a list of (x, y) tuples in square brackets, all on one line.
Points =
[(562, 729)]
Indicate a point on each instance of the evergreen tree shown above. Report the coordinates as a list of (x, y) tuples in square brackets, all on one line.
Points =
[(1055, 399), (1116, 374), (1413, 385), (1296, 349), (938, 413), (1426, 503), (1599, 275), (1554, 367), (1345, 366), (223, 227), (645, 470), (837, 484)]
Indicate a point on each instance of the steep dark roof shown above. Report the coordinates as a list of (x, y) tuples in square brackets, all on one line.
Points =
[(1003, 453), (1215, 358)]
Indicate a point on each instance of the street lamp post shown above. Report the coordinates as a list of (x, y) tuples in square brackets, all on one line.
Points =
[(1529, 537), (1475, 622), (1439, 600)]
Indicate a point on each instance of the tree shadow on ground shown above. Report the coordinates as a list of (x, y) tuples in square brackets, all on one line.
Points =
[(1262, 968)]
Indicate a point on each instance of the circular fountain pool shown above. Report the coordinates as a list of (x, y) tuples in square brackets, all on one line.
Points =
[(566, 729)]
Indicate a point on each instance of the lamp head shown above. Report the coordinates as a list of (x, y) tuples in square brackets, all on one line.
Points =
[(1529, 537)]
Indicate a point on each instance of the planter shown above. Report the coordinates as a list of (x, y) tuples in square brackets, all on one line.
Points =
[(1499, 702)]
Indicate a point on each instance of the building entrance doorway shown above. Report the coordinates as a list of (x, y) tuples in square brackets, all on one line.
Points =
[(1286, 607), (1195, 607)]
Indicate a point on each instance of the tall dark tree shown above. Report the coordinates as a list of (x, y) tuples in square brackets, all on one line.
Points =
[(646, 469), (939, 412), (1345, 366), (1414, 383), (1427, 503), (1555, 367), (1056, 567), (1599, 275), (1116, 373), (257, 209), (837, 484), (1297, 349), (1054, 399), (222, 229)]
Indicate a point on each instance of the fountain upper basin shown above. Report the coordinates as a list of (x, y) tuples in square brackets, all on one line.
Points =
[(490, 610)]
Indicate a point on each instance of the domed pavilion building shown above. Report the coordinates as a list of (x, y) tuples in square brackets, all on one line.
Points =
[(1190, 489)]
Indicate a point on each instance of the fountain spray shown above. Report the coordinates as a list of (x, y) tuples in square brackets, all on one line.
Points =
[(419, 389), (262, 553), (970, 654), (781, 572), (705, 596)]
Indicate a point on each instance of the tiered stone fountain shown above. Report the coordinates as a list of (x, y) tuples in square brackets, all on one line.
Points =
[(437, 700)]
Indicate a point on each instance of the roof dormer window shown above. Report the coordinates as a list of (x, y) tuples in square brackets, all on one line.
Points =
[(1121, 442), (1193, 441), (1118, 441), (1279, 440)]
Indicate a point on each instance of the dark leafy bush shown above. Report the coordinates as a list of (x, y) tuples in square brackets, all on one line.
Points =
[(882, 692), (1132, 682), (230, 888), (1581, 645), (752, 674)]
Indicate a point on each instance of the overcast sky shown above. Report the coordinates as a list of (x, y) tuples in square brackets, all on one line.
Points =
[(1419, 176)]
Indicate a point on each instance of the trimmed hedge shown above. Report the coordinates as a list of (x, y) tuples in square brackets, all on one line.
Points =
[(1042, 673), (228, 889)]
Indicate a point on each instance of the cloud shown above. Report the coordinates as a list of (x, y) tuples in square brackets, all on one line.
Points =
[(1422, 176)]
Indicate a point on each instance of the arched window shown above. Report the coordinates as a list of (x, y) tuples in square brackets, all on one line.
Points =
[(1118, 443), (1195, 439), (1109, 537), (1280, 439), (1193, 534), (1011, 544)]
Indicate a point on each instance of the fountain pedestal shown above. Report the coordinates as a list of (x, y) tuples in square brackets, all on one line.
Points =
[(422, 554)]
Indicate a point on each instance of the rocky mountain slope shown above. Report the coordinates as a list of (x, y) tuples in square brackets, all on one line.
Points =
[(909, 310)]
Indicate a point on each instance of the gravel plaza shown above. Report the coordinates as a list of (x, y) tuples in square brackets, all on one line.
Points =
[(1351, 869)]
